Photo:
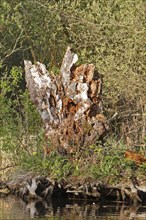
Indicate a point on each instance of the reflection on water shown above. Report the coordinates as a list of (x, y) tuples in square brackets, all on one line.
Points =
[(12, 208)]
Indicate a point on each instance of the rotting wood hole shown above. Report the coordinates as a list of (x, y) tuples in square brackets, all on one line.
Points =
[(75, 128), (52, 101)]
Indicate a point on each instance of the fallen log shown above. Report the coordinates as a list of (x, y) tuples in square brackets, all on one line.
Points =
[(39, 188), (70, 104)]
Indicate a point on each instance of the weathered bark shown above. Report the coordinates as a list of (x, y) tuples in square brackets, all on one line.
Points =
[(43, 188), (70, 104)]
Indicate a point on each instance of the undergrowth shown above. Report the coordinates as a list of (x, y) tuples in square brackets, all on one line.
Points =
[(105, 163), (55, 165)]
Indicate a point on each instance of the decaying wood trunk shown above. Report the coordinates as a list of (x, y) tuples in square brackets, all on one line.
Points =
[(70, 104)]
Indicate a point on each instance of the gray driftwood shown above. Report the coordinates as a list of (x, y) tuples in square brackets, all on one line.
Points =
[(44, 189), (70, 104)]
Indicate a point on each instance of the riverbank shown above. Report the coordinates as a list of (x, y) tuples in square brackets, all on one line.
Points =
[(30, 187), (97, 173)]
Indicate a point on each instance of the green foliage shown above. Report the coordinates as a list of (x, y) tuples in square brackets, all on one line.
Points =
[(110, 34), (16, 107), (19, 119), (108, 163), (143, 168), (54, 165)]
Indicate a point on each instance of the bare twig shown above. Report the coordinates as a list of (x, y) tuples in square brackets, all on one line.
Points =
[(15, 49), (7, 167)]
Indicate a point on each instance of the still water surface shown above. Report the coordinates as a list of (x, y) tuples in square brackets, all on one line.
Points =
[(12, 208)]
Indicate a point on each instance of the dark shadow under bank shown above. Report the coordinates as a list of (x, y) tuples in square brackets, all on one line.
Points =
[(43, 189)]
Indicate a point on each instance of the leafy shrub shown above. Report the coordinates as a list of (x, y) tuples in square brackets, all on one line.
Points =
[(54, 165)]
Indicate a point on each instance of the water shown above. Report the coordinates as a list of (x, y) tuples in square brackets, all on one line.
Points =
[(12, 208)]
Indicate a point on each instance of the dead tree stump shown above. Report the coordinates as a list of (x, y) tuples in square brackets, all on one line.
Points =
[(70, 104)]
